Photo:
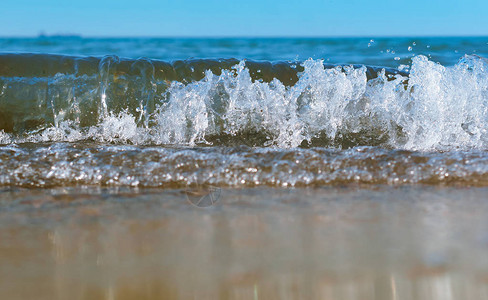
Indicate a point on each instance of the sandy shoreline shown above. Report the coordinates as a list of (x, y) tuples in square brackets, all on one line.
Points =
[(381, 242)]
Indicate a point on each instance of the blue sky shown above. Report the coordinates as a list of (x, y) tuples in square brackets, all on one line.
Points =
[(244, 18)]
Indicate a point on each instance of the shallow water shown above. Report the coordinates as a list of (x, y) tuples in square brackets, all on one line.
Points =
[(94, 164), (243, 168)]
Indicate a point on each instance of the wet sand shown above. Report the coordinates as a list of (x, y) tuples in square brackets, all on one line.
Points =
[(352, 242)]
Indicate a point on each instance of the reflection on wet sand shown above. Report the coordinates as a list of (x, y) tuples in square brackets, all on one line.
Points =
[(333, 243)]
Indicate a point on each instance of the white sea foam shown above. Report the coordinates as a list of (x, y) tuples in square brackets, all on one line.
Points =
[(439, 108)]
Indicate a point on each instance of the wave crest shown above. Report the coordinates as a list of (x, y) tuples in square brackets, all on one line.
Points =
[(234, 103)]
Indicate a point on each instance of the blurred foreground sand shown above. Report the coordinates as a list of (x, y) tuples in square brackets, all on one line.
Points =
[(415, 242)]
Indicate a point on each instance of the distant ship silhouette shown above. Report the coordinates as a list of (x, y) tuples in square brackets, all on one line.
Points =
[(43, 35)]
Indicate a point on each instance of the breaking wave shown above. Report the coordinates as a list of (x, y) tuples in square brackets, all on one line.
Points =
[(424, 106)]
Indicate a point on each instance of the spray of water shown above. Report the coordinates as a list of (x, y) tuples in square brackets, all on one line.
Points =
[(433, 108)]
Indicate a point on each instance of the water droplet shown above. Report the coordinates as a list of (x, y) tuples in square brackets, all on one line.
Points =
[(409, 48), (414, 43), (397, 58)]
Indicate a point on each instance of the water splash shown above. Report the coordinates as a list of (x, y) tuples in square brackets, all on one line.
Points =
[(245, 103)]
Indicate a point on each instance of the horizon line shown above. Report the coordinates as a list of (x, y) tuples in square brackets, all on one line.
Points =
[(80, 36)]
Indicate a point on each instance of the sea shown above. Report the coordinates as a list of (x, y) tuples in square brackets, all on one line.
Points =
[(244, 168)]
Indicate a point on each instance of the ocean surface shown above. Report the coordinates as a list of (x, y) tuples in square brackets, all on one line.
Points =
[(243, 168)]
